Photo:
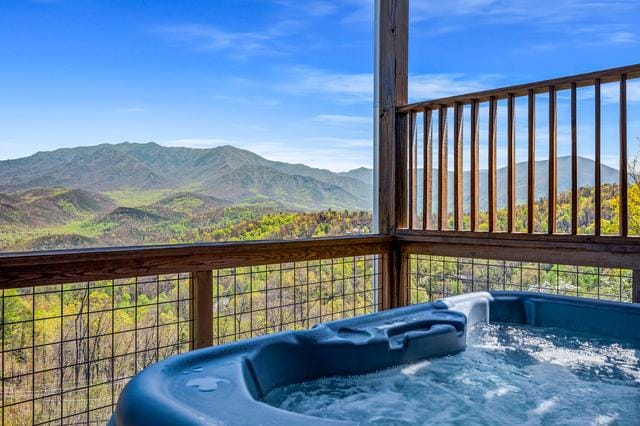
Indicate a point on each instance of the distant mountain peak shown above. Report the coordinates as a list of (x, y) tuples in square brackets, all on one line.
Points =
[(224, 172)]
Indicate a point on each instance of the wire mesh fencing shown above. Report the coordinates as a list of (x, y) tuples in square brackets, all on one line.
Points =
[(434, 277), (68, 350), (257, 300)]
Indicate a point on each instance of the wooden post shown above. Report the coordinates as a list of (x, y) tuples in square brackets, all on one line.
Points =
[(635, 293), (392, 43), (202, 309)]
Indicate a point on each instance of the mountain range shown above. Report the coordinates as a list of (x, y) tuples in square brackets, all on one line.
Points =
[(234, 176), (132, 194), (225, 172)]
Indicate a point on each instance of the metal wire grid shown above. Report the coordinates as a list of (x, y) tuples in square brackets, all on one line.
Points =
[(256, 300), (433, 277), (68, 350)]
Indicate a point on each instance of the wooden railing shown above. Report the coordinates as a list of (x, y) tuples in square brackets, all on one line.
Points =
[(408, 127), (78, 324)]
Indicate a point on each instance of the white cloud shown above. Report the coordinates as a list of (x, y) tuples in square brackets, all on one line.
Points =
[(238, 44), (244, 100), (435, 86), (342, 120), (611, 92), (341, 87), (623, 37), (358, 87)]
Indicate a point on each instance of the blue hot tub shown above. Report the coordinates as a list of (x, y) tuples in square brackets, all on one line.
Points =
[(226, 384)]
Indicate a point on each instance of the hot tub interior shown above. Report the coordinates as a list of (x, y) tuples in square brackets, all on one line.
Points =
[(528, 357)]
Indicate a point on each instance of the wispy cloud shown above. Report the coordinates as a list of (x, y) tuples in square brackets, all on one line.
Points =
[(340, 87), (238, 44), (434, 86), (342, 120), (358, 87), (586, 22), (623, 37), (247, 100), (310, 7)]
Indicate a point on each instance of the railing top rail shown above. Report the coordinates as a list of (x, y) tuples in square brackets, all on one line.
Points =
[(562, 83), (69, 266)]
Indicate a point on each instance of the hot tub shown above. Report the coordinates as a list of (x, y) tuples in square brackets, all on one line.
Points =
[(227, 384)]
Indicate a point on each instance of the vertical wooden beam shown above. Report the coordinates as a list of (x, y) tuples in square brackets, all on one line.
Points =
[(635, 294), (458, 172), (598, 165), (412, 169), (475, 165), (511, 166), (553, 159), (493, 187), (392, 23), (427, 165), (202, 308), (623, 208), (531, 158), (574, 159), (443, 172), (391, 85)]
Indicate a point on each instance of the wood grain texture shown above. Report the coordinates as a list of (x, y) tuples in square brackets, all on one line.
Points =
[(511, 163), (531, 158), (427, 165), (538, 87), (70, 266), (553, 161), (443, 169), (583, 250), (458, 172), (492, 184), (392, 90), (475, 165), (598, 159), (402, 172), (574, 159), (623, 219), (202, 304), (412, 170)]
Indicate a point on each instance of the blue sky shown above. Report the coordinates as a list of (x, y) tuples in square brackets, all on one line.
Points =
[(290, 80)]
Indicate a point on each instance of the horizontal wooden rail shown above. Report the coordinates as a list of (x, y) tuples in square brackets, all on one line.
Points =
[(562, 83), (69, 266), (582, 250)]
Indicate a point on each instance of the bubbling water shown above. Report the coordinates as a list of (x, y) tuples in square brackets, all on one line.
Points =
[(508, 375)]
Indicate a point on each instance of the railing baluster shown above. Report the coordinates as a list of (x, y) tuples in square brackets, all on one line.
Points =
[(427, 164), (511, 178), (598, 177), (624, 226), (531, 192), (412, 169), (475, 165), (493, 124), (402, 189), (202, 294), (443, 154), (553, 167), (457, 177), (574, 160)]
